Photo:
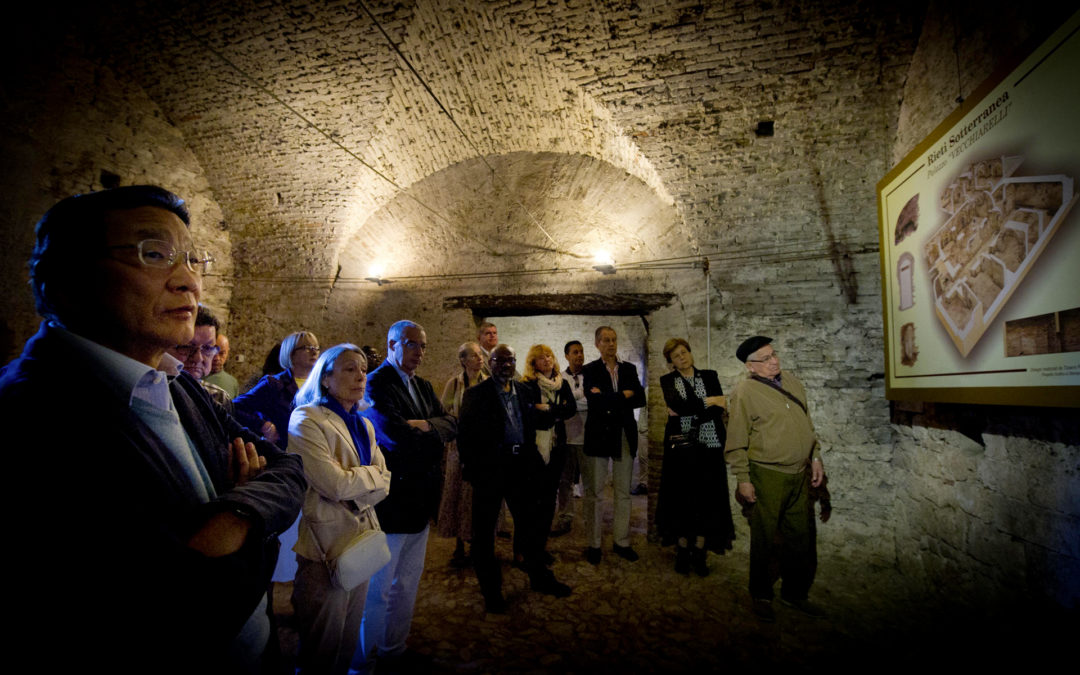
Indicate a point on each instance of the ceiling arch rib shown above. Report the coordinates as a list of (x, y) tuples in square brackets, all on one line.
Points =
[(505, 97), (292, 191), (587, 204)]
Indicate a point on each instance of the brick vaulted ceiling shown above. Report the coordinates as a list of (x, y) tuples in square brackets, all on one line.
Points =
[(569, 125)]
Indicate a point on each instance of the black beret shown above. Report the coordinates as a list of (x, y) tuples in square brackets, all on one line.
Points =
[(751, 345)]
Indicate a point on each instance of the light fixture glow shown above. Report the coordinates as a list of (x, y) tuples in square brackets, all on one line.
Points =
[(375, 273), (605, 264)]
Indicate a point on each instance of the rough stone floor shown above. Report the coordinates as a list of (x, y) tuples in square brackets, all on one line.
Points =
[(643, 617)]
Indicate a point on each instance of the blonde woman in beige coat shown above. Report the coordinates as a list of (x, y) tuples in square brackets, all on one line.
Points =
[(347, 476)]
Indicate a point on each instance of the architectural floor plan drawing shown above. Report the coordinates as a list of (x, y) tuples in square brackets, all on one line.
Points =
[(998, 225)]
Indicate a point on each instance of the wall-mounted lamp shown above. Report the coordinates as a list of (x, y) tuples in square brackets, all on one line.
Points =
[(375, 274), (604, 263)]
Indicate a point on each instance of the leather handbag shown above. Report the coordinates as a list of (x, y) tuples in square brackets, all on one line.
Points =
[(363, 556)]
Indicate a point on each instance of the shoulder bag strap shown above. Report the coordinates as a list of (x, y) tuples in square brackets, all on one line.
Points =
[(783, 391)]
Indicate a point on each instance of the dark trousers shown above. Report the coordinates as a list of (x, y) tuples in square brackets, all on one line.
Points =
[(516, 479), (782, 508), (548, 491)]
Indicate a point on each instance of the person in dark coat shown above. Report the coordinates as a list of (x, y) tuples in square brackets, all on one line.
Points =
[(543, 376), (613, 391), (497, 446), (143, 486), (268, 405), (693, 510), (412, 427)]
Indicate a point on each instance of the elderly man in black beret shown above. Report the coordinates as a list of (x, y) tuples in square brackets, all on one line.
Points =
[(773, 451)]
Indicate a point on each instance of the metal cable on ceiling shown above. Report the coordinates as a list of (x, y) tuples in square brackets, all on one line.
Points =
[(461, 131), (327, 135), (784, 252)]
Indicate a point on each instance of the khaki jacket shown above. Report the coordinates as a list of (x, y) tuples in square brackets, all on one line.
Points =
[(341, 491), (768, 428)]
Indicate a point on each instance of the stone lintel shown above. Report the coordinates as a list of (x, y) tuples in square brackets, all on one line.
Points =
[(616, 304)]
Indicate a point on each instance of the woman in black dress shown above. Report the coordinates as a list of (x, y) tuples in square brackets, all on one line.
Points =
[(694, 510)]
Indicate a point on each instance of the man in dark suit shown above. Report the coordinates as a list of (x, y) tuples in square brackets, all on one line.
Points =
[(613, 391), (411, 427), (136, 483), (498, 451)]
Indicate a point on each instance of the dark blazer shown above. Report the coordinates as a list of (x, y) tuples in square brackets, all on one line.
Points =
[(414, 457), (482, 425), (692, 405), (563, 408), (609, 411), (269, 400), (99, 497)]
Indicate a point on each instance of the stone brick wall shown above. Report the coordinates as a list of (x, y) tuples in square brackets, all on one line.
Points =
[(67, 124), (988, 498)]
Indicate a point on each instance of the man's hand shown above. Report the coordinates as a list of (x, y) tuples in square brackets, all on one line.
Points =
[(542, 406), (222, 535), (422, 425), (718, 401), (746, 493), (628, 393), (672, 413), (594, 390), (245, 462), (817, 473), (269, 432)]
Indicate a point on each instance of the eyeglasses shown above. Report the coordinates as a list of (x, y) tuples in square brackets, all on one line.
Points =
[(310, 349), (409, 344), (207, 351), (163, 255), (775, 356)]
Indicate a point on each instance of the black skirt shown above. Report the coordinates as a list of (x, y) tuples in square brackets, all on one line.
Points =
[(693, 498)]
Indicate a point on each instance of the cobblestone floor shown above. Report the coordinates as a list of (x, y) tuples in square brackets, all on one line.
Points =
[(643, 617)]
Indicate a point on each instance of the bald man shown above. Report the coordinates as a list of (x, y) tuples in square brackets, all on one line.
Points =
[(217, 375)]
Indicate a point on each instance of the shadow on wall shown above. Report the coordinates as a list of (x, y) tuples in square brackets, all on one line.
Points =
[(972, 420)]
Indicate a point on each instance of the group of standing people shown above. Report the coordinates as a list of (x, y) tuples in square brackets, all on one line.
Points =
[(498, 437), (185, 487)]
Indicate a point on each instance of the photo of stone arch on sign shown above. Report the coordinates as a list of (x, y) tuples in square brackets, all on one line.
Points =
[(908, 221), (905, 272), (909, 352), (998, 225)]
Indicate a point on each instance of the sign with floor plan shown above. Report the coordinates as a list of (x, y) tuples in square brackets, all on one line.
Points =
[(980, 243)]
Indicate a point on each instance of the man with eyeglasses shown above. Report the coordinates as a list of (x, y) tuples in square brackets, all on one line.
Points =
[(498, 423), (199, 354), (135, 481), (773, 451), (411, 427)]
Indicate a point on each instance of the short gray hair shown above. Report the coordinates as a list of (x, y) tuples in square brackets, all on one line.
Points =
[(397, 331)]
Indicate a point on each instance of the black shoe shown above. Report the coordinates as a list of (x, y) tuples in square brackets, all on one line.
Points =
[(562, 528), (805, 606), (549, 586), (697, 559), (593, 555), (495, 605), (639, 490), (625, 552), (682, 561), (763, 610), (460, 562)]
